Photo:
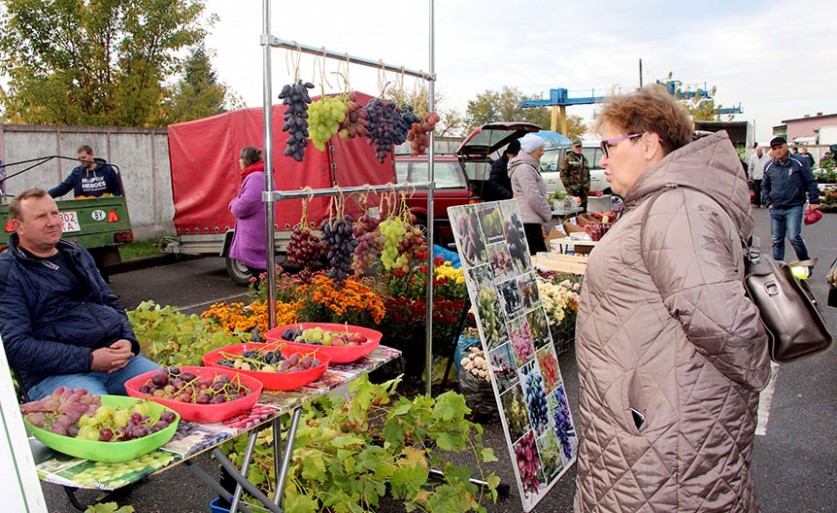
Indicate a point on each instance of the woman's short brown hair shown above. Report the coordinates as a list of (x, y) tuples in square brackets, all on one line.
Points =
[(650, 109)]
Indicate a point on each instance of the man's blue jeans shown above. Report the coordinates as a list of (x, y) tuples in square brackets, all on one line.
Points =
[(787, 221), (97, 383)]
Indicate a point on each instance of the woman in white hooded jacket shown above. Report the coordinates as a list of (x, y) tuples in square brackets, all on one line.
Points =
[(530, 190)]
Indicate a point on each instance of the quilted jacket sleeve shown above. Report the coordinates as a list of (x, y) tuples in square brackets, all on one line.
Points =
[(694, 256), (528, 182)]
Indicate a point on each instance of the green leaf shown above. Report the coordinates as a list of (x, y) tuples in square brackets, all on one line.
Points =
[(449, 406), (450, 441), (346, 440), (488, 455)]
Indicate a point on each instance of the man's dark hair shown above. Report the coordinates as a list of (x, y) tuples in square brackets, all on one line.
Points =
[(85, 149), (513, 147), (14, 205)]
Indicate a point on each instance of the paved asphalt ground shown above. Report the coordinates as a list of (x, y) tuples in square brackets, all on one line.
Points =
[(795, 462)]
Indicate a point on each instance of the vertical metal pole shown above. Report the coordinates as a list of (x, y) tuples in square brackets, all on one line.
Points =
[(431, 156), (268, 165)]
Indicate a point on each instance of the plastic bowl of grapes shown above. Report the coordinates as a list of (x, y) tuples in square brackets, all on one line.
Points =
[(345, 343), (277, 366), (198, 394), (115, 450)]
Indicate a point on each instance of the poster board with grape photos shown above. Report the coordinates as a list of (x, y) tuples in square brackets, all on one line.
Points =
[(515, 336)]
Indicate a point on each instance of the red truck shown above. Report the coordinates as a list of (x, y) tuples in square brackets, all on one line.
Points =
[(205, 176)]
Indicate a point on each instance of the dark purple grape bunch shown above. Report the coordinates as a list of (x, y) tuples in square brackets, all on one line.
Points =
[(295, 96), (341, 248), (406, 118), (381, 124)]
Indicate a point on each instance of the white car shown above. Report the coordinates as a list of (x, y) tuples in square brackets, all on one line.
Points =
[(551, 165)]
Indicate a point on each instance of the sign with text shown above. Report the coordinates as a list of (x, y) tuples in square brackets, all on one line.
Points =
[(518, 345)]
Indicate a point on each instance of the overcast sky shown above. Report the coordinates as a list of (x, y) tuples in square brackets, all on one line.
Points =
[(778, 59)]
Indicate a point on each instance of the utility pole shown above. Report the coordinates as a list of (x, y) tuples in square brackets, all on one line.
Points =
[(640, 73)]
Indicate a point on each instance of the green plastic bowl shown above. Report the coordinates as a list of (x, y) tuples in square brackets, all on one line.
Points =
[(109, 452)]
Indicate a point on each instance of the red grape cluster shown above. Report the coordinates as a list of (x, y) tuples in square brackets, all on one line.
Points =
[(171, 383), (61, 410), (295, 96), (382, 120), (306, 249), (528, 462), (354, 125), (137, 426), (472, 244), (369, 243), (269, 361), (418, 134), (341, 248)]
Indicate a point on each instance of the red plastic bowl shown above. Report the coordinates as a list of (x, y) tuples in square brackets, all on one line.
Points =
[(203, 413), (342, 354), (272, 380)]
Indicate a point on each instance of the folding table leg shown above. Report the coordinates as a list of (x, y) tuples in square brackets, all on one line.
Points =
[(282, 472)]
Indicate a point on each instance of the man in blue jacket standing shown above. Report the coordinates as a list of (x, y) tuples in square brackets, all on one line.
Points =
[(61, 324), (93, 177), (786, 183)]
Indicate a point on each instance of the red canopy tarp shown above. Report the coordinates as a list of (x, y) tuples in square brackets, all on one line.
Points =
[(205, 174)]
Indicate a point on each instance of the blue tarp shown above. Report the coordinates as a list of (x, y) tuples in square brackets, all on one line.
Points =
[(448, 255)]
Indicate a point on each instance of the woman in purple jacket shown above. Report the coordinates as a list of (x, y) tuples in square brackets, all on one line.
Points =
[(250, 239)]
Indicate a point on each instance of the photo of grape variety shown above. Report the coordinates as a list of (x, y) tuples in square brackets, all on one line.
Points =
[(269, 361), (516, 238), (306, 249), (61, 411), (170, 383), (515, 411), (539, 327), (324, 118), (341, 248), (295, 96), (382, 119), (492, 223), (536, 400), (521, 342), (528, 463), (563, 423), (549, 368), (470, 239), (488, 316), (419, 133), (502, 367), (354, 123), (550, 455)]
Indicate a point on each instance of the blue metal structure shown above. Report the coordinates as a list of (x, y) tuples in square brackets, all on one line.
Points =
[(559, 98)]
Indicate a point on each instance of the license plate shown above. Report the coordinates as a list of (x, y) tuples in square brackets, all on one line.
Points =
[(69, 222)]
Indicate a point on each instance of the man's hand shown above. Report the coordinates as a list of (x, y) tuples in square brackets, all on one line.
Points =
[(814, 206), (111, 359)]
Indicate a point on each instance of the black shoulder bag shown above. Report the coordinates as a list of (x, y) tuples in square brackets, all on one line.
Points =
[(787, 308)]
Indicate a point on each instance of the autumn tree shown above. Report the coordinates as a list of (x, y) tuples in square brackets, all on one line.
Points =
[(505, 105), (450, 122), (699, 101), (102, 62), (198, 93)]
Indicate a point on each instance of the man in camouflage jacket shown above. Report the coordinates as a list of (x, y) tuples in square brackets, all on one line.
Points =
[(575, 173)]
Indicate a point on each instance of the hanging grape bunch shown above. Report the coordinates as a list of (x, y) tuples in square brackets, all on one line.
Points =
[(337, 232), (306, 249), (324, 118), (295, 96), (382, 118), (402, 241), (354, 123), (406, 119), (369, 243), (418, 134)]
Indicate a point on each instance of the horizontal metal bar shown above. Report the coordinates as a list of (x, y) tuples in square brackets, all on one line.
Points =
[(293, 45), (333, 191)]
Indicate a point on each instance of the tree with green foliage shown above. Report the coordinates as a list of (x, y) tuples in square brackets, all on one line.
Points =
[(505, 105), (103, 62), (198, 94), (450, 122)]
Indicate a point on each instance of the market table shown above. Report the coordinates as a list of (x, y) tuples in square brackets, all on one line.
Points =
[(563, 214), (193, 439)]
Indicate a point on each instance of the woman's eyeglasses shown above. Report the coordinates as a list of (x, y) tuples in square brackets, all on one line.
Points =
[(609, 143)]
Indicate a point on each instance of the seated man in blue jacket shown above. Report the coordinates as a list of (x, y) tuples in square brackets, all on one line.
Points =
[(61, 324), (93, 177)]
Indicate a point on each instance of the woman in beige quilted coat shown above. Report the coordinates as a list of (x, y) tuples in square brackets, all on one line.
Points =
[(671, 353)]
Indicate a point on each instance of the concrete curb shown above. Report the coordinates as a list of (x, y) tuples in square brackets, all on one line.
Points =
[(144, 263)]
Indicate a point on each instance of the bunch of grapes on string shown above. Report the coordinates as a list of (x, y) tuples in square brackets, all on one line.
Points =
[(403, 242), (382, 121), (418, 134), (305, 249), (337, 233), (369, 241), (354, 122), (295, 96), (407, 118)]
